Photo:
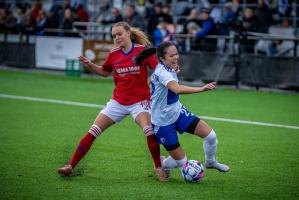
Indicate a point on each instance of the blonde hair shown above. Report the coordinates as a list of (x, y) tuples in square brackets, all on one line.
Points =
[(137, 36)]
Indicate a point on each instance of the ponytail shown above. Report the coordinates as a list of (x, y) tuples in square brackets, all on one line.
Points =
[(137, 36), (160, 52)]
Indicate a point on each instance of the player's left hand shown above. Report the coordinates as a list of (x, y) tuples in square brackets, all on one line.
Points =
[(177, 70)]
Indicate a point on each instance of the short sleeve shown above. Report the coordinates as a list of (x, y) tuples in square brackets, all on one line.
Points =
[(152, 61), (166, 77)]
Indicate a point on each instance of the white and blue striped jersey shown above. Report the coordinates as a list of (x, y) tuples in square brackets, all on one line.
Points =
[(165, 105)]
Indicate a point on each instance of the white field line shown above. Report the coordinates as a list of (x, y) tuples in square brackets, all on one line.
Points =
[(73, 103), (250, 122)]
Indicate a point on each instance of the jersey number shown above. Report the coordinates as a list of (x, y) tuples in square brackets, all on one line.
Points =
[(186, 112)]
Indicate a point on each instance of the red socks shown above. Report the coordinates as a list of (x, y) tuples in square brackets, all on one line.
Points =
[(82, 149), (89, 138), (154, 148)]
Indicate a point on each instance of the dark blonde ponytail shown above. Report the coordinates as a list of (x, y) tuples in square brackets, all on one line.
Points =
[(137, 36)]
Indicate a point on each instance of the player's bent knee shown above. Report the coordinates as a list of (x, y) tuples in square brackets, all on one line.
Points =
[(172, 146), (95, 130), (211, 137)]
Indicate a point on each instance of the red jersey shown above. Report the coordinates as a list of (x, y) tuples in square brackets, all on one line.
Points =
[(129, 78)]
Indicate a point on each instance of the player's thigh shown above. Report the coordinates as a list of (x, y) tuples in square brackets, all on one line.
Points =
[(143, 119), (202, 129), (140, 112), (103, 121), (112, 113)]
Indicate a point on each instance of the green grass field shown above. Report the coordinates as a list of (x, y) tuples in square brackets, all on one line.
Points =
[(37, 137)]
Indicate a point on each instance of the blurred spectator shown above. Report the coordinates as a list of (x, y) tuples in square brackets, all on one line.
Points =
[(190, 43), (42, 22), (114, 17), (67, 22), (3, 16), (10, 23), (161, 33), (166, 14), (252, 24), (149, 9), (28, 8), (20, 16), (76, 3), (264, 16), (153, 18), (29, 25), (236, 6), (134, 18), (181, 8), (278, 47), (283, 8), (207, 28), (81, 13), (229, 15), (250, 21), (191, 19), (216, 14), (57, 11), (35, 8), (192, 27), (172, 31), (228, 19)]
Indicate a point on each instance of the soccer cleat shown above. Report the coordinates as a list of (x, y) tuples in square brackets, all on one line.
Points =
[(216, 165), (66, 170), (161, 175), (165, 170)]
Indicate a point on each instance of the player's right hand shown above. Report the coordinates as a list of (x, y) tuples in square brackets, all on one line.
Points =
[(85, 61), (209, 86)]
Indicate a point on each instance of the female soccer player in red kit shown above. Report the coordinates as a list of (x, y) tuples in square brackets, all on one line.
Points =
[(131, 94)]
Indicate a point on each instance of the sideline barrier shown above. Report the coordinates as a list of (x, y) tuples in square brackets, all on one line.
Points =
[(233, 66), (249, 69), (73, 67), (17, 54)]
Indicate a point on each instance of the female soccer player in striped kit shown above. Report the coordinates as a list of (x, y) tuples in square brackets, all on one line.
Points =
[(131, 94), (168, 115)]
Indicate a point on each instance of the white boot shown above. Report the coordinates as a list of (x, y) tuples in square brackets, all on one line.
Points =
[(216, 165)]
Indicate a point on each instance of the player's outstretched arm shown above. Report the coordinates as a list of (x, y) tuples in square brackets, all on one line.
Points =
[(183, 89), (93, 67)]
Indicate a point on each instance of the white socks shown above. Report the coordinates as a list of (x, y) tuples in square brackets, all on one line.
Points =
[(170, 163), (210, 146)]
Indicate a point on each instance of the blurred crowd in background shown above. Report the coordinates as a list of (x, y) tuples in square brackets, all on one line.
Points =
[(161, 20)]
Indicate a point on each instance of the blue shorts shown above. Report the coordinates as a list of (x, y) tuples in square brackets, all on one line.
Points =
[(167, 135)]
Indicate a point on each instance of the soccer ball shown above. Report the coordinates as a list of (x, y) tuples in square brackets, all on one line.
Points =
[(192, 171)]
